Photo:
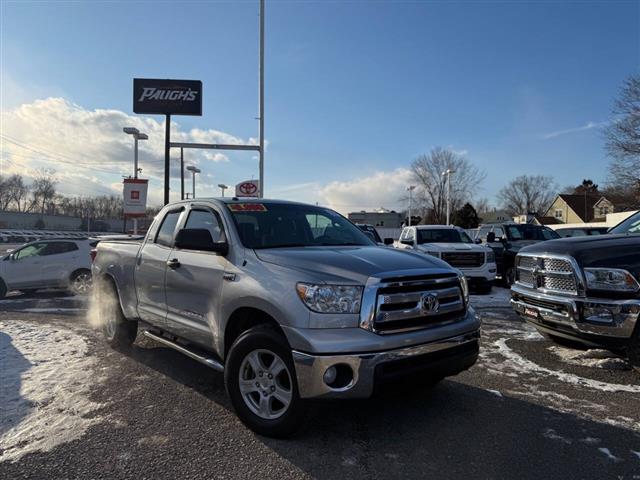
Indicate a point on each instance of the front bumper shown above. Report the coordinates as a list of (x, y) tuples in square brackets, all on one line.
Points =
[(579, 317), (442, 358)]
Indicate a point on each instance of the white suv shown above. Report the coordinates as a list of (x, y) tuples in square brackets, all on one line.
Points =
[(48, 264), (454, 246)]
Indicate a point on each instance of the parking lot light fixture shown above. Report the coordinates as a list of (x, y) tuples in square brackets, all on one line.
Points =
[(193, 171), (223, 187)]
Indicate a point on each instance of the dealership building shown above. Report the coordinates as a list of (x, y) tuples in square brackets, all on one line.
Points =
[(378, 218)]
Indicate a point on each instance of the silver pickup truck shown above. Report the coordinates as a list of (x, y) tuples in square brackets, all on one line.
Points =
[(290, 301)]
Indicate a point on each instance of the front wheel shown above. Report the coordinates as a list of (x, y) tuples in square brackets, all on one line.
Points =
[(80, 282), (261, 382)]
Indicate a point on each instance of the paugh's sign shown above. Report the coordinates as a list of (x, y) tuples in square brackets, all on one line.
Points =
[(167, 97)]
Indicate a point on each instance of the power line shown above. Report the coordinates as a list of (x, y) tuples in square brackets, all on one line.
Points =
[(104, 190)]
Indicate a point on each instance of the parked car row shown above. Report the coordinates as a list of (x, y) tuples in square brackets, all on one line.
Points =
[(24, 236)]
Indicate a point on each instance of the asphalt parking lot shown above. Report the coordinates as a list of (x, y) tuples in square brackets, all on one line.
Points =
[(73, 408)]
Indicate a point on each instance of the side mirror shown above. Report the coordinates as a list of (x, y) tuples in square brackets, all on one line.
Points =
[(200, 239), (491, 237), (477, 241), (388, 241)]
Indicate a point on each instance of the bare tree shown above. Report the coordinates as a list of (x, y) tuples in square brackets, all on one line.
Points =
[(432, 187), (18, 193), (43, 190), (623, 137), (528, 193), (5, 197)]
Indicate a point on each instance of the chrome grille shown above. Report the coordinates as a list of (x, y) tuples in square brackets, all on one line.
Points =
[(546, 273), (413, 305), (463, 259)]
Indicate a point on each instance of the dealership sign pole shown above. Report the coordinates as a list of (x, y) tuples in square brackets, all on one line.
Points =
[(167, 97)]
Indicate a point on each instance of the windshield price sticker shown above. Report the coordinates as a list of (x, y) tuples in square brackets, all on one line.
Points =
[(247, 207)]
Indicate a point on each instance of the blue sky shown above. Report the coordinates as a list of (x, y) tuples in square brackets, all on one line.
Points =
[(354, 90)]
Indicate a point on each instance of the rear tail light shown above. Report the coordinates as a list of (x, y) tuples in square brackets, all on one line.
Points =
[(93, 253)]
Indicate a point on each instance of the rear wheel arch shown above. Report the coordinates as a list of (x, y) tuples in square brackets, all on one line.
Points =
[(108, 279), (245, 318)]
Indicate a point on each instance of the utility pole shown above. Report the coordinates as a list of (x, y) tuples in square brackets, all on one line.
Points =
[(181, 173), (410, 188), (261, 95)]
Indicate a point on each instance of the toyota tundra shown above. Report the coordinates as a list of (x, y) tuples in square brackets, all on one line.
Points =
[(291, 301)]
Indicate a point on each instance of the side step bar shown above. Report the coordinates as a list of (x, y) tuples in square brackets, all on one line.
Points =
[(208, 361)]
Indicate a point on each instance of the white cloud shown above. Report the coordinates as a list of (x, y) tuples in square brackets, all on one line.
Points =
[(381, 189), (587, 126), (87, 148)]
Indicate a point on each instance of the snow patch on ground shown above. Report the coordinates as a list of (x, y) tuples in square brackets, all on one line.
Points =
[(551, 434), (609, 455), (519, 363), (594, 358), (51, 310), (46, 377)]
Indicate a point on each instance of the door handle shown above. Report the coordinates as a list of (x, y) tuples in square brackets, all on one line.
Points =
[(173, 263)]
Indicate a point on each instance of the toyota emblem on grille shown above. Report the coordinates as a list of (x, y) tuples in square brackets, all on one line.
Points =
[(429, 303)]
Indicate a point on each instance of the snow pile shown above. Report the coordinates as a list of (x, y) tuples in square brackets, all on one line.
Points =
[(46, 377), (594, 357)]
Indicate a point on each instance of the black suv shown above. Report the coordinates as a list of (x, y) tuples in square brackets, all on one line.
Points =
[(585, 289), (506, 240)]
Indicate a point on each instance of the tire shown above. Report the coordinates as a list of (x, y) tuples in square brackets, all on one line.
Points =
[(119, 332), (510, 276), (3, 289), (80, 282), (633, 350), (263, 348)]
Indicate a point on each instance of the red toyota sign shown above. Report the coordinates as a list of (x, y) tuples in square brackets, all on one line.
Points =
[(249, 188)]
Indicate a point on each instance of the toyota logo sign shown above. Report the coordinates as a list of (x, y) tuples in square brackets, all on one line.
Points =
[(249, 188)]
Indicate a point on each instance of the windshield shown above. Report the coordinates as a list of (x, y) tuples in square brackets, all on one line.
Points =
[(630, 225), (275, 225), (530, 232), (442, 235)]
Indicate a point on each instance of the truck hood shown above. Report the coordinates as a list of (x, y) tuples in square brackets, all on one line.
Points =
[(615, 251), (463, 247), (354, 264)]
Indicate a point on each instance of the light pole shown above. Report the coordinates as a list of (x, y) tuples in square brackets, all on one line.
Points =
[(223, 187), (448, 173), (410, 188), (136, 136), (193, 171)]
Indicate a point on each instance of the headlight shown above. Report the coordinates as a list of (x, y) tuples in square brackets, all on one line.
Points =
[(465, 288), (610, 279), (330, 298), (491, 257)]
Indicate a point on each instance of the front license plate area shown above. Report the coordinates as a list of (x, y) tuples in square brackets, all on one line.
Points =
[(531, 312)]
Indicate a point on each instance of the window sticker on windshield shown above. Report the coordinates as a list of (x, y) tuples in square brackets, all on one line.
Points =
[(247, 207)]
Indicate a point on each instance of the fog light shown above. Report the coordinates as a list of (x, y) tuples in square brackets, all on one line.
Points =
[(598, 314), (330, 375)]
